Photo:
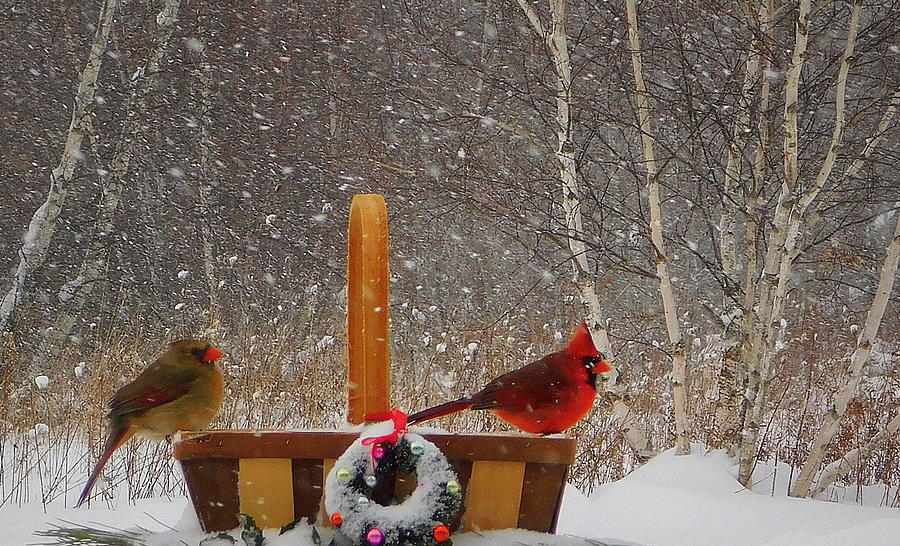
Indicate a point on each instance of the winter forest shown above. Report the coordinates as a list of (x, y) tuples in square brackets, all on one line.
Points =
[(712, 185)]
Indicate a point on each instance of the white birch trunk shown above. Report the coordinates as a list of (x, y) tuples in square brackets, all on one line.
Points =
[(36, 241), (679, 358), (557, 44), (734, 180), (803, 203), (761, 349), (209, 255), (839, 468), (876, 139), (788, 221), (832, 423), (556, 41), (752, 239), (75, 293), (732, 374)]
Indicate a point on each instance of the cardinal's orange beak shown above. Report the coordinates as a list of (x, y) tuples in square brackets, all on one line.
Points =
[(212, 354), (602, 367)]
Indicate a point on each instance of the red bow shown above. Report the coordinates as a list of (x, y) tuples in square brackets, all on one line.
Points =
[(399, 419)]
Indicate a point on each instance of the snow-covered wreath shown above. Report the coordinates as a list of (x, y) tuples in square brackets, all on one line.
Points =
[(422, 518)]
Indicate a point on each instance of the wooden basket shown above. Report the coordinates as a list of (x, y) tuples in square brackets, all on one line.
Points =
[(277, 476)]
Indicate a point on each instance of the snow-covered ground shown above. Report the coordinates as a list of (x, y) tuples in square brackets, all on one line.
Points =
[(697, 500), (693, 500)]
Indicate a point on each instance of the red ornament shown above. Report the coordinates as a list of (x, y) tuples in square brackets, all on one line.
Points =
[(337, 519), (441, 533)]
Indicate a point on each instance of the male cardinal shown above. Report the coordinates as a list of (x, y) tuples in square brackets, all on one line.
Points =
[(544, 397), (181, 390)]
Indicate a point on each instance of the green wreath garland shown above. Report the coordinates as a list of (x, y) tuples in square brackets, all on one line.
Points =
[(420, 520)]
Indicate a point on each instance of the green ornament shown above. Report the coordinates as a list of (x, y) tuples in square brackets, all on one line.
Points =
[(453, 487), (416, 449), (344, 474)]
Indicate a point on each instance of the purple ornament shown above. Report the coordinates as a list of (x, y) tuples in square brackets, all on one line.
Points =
[(375, 536), (378, 453)]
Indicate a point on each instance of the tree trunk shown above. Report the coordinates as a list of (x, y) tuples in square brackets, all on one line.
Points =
[(761, 347), (839, 468), (803, 203), (838, 410), (76, 292), (732, 375), (679, 357), (36, 241), (789, 217), (872, 143), (557, 44), (752, 234), (206, 188)]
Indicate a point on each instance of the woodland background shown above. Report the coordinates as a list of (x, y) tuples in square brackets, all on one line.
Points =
[(201, 186)]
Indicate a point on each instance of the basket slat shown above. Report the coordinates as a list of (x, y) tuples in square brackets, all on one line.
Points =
[(212, 486), (495, 492), (266, 491), (539, 509), (308, 476), (244, 444)]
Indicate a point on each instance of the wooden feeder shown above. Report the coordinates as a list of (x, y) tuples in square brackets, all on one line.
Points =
[(277, 476)]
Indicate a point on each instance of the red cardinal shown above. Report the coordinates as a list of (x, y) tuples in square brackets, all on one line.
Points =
[(544, 397), (181, 390)]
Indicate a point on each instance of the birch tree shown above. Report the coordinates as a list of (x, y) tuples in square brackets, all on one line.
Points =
[(787, 222), (37, 238), (838, 409), (75, 293), (206, 188), (556, 41), (841, 467), (670, 310), (737, 302)]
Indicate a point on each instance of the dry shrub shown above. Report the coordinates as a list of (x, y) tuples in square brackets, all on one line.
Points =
[(288, 372)]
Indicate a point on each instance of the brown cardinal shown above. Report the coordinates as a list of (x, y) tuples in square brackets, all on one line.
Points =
[(181, 390), (544, 397)]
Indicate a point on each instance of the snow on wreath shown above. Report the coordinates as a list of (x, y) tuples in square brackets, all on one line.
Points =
[(422, 519)]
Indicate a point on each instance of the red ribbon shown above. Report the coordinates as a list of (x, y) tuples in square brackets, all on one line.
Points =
[(398, 417)]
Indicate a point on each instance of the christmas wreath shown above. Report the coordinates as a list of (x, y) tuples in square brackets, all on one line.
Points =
[(419, 520)]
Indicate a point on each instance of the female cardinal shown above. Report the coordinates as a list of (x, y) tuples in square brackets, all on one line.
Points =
[(544, 397), (181, 390)]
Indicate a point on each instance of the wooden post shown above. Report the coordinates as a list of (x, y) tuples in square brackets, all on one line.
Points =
[(367, 308)]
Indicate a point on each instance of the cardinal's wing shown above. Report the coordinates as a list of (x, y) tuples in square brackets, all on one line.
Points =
[(157, 385), (536, 385)]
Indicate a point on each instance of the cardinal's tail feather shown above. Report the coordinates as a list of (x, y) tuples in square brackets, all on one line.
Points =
[(117, 437), (441, 410)]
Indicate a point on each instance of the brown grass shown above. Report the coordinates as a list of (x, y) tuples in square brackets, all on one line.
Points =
[(277, 377)]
